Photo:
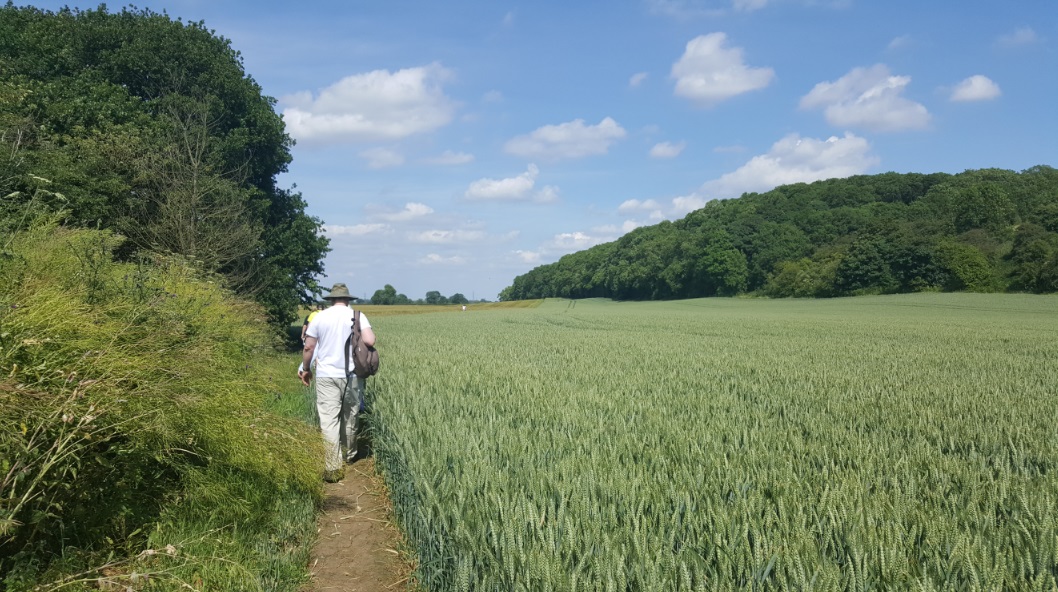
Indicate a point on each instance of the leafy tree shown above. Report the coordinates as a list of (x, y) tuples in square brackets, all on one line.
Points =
[(1035, 258), (435, 297), (865, 267), (389, 295), (458, 298), (151, 126), (804, 278), (968, 268)]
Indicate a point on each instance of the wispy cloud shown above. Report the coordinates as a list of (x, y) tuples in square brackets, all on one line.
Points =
[(511, 189), (686, 9), (869, 98), (411, 211), (899, 42), (356, 229), (1019, 37), (377, 105), (634, 205), (450, 158), (568, 140), (637, 79), (435, 259), (446, 237), (382, 158), (975, 88), (667, 149), (708, 72), (748, 5)]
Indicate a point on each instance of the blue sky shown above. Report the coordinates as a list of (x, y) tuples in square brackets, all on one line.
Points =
[(454, 145)]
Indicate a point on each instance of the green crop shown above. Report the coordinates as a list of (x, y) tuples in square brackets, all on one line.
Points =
[(876, 443)]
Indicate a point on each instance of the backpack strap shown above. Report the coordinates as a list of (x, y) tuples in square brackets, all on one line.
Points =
[(349, 343)]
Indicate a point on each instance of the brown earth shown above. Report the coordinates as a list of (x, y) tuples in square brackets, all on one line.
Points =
[(358, 547)]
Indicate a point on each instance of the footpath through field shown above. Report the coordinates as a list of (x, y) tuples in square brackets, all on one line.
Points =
[(357, 545)]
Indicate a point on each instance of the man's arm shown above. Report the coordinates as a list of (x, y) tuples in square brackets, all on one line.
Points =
[(305, 374), (367, 336)]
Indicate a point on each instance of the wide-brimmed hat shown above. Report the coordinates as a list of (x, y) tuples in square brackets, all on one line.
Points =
[(338, 291)]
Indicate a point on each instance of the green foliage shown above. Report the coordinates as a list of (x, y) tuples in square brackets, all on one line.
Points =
[(388, 295), (132, 408), (861, 235), (804, 278), (875, 443), (969, 268), (137, 119), (1035, 258)]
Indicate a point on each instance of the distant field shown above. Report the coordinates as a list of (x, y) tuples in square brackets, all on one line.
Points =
[(375, 310), (873, 443)]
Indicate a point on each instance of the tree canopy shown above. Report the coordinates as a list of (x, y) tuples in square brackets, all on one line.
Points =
[(149, 126), (980, 230)]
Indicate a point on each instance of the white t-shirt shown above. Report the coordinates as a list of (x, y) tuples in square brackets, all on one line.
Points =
[(331, 328)]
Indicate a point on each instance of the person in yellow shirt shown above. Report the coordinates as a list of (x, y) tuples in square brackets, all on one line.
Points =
[(308, 320)]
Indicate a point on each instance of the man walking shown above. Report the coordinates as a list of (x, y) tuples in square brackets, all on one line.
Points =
[(337, 396)]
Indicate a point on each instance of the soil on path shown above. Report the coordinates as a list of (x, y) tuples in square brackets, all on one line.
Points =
[(357, 549)]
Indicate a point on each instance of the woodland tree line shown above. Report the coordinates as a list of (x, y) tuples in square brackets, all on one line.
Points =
[(149, 127), (986, 230)]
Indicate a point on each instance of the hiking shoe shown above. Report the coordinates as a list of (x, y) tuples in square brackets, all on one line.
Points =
[(334, 476)]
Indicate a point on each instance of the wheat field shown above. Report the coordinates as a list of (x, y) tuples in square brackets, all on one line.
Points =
[(873, 443)]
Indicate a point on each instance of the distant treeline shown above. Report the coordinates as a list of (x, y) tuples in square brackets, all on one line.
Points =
[(389, 295), (981, 230)]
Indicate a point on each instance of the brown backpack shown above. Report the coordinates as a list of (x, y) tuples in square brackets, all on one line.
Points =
[(365, 357)]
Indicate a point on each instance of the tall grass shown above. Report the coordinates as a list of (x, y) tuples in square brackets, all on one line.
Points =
[(876, 443), (137, 426)]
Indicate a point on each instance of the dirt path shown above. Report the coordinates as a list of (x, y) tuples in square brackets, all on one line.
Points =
[(357, 548)]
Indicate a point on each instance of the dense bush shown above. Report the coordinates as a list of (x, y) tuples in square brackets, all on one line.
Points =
[(134, 433)]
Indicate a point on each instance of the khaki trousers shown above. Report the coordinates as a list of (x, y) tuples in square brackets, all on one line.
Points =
[(338, 404)]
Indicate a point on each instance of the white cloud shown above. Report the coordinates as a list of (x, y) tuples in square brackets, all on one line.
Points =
[(709, 73), (567, 140), (446, 237), (630, 225), (411, 211), (688, 203), (493, 96), (549, 194), (510, 189), (899, 42), (356, 229), (529, 256), (449, 158), (435, 259), (637, 79), (867, 98), (569, 242), (667, 149), (378, 105), (1022, 36), (634, 205), (976, 88), (792, 159), (381, 158)]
